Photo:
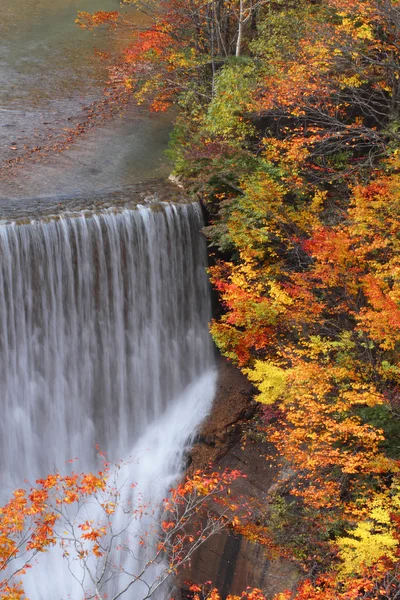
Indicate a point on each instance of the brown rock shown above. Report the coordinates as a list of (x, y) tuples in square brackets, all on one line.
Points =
[(233, 406), (231, 561)]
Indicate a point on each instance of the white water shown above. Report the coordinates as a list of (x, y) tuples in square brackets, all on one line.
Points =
[(103, 339)]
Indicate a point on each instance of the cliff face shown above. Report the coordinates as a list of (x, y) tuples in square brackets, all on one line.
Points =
[(233, 564), (231, 561), (233, 406)]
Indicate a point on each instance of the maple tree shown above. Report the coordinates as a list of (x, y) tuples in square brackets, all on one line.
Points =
[(298, 166), (290, 139), (101, 523)]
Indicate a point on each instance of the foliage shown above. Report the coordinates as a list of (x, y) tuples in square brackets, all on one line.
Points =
[(100, 522), (293, 147), (310, 292), (373, 538), (270, 381), (232, 98), (202, 593)]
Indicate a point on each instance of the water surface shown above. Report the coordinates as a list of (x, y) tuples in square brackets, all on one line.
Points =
[(48, 73)]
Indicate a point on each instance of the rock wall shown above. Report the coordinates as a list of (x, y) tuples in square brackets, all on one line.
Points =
[(231, 561), (233, 406)]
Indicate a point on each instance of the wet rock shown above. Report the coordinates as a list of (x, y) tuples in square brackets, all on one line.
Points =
[(233, 406), (231, 562)]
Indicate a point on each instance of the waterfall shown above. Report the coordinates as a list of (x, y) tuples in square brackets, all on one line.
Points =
[(103, 340)]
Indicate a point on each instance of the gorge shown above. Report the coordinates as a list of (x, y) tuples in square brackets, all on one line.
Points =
[(283, 127)]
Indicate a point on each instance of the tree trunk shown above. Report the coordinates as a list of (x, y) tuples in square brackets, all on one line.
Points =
[(240, 30)]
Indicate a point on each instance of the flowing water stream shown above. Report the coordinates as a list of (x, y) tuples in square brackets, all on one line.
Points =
[(103, 322)]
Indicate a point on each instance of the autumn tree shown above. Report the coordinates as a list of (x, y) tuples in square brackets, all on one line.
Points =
[(110, 535), (289, 137), (310, 292), (178, 55)]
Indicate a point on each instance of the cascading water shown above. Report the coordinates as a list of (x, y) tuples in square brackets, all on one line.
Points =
[(103, 340)]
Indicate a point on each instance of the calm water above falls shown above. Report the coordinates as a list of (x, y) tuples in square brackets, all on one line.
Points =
[(48, 73)]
